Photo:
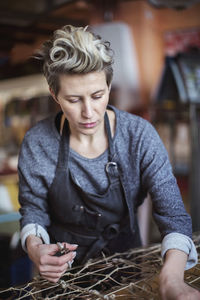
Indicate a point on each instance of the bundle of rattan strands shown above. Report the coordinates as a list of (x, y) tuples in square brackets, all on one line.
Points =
[(129, 275)]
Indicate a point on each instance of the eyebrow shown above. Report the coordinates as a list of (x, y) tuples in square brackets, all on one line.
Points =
[(69, 96), (99, 91)]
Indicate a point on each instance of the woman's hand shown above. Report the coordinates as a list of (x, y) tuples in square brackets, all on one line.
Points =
[(51, 267), (171, 278), (172, 288)]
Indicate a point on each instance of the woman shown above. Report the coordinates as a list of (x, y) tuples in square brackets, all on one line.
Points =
[(84, 172)]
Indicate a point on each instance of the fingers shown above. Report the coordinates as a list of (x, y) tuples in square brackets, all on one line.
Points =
[(53, 274), (57, 261), (65, 247), (71, 247), (52, 249), (52, 267)]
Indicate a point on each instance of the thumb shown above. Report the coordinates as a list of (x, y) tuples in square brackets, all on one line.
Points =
[(65, 248), (71, 247), (51, 249)]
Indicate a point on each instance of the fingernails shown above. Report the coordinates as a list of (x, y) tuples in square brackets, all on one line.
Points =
[(74, 245), (73, 254)]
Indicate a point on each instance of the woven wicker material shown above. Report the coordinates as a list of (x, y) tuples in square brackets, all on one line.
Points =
[(131, 275)]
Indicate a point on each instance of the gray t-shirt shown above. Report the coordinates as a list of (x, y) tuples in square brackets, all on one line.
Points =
[(95, 179)]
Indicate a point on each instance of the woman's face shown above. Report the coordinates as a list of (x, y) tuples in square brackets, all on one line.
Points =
[(83, 99)]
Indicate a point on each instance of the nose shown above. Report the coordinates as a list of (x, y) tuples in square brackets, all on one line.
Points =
[(87, 109)]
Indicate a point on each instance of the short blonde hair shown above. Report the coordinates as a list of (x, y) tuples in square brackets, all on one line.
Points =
[(75, 50)]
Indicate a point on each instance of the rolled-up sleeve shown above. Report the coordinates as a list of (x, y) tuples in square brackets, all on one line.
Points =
[(36, 230), (183, 243)]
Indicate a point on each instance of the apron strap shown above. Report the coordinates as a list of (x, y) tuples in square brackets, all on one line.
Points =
[(63, 154), (110, 139), (111, 166)]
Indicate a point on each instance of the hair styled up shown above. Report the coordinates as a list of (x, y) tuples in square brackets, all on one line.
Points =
[(74, 50)]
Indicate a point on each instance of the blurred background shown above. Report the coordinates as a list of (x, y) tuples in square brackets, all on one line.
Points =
[(156, 75)]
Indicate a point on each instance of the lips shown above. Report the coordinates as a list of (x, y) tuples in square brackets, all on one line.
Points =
[(88, 125)]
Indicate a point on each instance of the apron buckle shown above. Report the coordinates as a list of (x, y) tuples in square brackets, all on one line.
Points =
[(111, 164)]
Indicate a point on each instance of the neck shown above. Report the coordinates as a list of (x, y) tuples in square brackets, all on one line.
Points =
[(91, 146)]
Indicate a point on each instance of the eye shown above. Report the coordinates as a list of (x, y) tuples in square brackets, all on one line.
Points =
[(96, 97), (73, 100)]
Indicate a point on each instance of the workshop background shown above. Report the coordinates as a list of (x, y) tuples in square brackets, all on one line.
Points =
[(156, 76)]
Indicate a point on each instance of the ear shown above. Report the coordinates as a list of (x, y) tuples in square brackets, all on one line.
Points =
[(53, 95)]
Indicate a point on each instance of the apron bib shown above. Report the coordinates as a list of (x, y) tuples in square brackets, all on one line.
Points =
[(96, 222)]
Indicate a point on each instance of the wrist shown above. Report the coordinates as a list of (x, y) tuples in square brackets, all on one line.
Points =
[(166, 276), (174, 264), (33, 241)]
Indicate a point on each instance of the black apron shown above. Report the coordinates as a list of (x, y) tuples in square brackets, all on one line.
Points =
[(96, 222)]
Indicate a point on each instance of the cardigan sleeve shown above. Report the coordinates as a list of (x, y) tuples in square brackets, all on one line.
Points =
[(35, 171), (158, 179)]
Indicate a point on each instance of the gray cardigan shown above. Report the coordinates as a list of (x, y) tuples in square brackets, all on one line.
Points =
[(143, 160)]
